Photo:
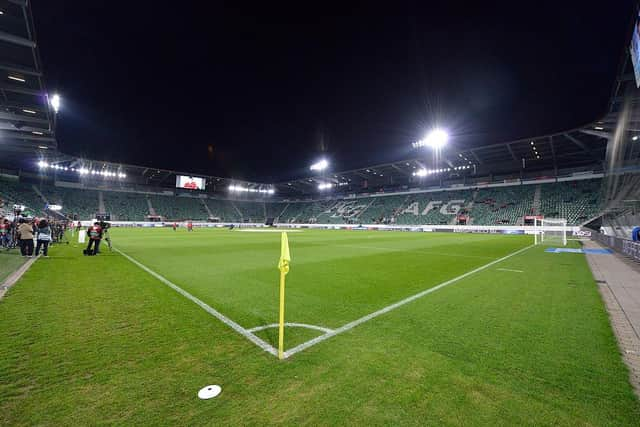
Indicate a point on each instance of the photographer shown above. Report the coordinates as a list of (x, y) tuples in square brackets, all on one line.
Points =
[(95, 236)]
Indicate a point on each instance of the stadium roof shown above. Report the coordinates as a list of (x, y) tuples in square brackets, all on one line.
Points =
[(27, 128), (27, 121)]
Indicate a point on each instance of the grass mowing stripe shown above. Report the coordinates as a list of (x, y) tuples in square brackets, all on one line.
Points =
[(215, 313), (391, 307)]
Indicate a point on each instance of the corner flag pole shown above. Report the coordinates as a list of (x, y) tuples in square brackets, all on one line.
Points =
[(283, 265)]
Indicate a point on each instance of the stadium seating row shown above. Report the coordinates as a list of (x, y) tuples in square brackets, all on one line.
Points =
[(577, 201)]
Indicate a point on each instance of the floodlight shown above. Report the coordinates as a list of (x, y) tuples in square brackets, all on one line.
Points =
[(320, 166), (324, 186), (421, 172), (17, 79), (55, 102), (25, 110), (436, 139), (635, 138)]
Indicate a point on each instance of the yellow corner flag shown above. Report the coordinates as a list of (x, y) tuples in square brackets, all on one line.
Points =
[(283, 265)]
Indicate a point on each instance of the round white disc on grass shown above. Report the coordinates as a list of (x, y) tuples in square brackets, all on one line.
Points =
[(209, 392)]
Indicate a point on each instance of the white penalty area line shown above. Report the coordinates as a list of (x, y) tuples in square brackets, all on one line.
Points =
[(215, 313), (398, 304), (509, 269)]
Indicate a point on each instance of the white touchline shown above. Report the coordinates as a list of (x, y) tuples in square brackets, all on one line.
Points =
[(391, 307), (509, 269), (224, 319)]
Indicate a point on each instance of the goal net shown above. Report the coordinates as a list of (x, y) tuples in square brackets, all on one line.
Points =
[(550, 231)]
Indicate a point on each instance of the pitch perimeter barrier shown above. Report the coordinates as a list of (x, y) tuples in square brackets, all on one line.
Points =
[(491, 229), (623, 246)]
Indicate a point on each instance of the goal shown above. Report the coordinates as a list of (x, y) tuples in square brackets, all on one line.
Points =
[(550, 231)]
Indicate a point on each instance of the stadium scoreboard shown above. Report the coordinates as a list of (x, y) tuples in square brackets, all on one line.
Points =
[(190, 182)]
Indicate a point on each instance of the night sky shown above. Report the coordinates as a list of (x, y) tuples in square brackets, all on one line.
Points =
[(260, 94)]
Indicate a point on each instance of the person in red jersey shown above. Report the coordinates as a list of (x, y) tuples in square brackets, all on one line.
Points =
[(95, 236), (189, 226), (175, 226)]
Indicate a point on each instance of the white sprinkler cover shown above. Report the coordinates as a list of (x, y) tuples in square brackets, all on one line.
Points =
[(209, 392)]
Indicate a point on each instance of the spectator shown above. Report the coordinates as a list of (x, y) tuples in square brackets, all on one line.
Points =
[(25, 236), (43, 236)]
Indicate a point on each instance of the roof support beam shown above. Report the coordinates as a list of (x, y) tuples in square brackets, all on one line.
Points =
[(473, 152), (20, 70), (20, 41), (8, 117), (513, 155), (23, 90), (25, 136), (583, 147), (600, 134)]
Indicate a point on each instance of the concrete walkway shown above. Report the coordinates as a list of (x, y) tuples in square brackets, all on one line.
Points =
[(618, 280)]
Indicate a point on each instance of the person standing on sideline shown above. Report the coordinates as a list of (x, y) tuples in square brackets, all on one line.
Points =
[(25, 233), (95, 235), (189, 226), (175, 225), (43, 237)]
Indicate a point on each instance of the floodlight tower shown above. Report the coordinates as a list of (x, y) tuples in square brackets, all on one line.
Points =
[(437, 140), (320, 167)]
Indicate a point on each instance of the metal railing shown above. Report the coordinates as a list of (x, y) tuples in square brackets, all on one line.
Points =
[(626, 247)]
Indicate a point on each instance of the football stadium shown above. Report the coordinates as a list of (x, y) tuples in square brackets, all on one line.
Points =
[(458, 283)]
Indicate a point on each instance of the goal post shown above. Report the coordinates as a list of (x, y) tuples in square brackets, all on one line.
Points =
[(550, 231)]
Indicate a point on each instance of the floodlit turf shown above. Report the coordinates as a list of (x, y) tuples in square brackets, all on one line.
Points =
[(9, 262), (86, 340)]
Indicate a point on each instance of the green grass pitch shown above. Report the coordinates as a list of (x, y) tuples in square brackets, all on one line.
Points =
[(526, 341)]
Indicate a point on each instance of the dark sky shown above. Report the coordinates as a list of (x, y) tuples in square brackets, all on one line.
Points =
[(156, 83)]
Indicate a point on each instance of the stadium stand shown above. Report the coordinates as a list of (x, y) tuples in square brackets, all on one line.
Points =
[(276, 209), (577, 201), (178, 207), (503, 205), (223, 210), (436, 208), (251, 211), (77, 203), (125, 206), (14, 192)]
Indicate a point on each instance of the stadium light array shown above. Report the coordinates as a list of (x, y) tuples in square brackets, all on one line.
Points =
[(320, 166), (421, 173), (325, 186), (55, 102), (82, 171), (436, 139), (241, 189), (635, 138)]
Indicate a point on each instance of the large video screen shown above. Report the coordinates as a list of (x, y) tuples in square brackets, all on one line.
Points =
[(189, 182), (635, 51)]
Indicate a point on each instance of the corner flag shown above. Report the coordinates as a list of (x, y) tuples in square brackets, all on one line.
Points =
[(283, 265)]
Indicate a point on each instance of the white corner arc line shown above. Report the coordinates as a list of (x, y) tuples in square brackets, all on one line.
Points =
[(291, 325), (391, 307), (215, 313)]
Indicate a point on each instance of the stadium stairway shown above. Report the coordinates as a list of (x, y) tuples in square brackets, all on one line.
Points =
[(206, 207), (152, 210)]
